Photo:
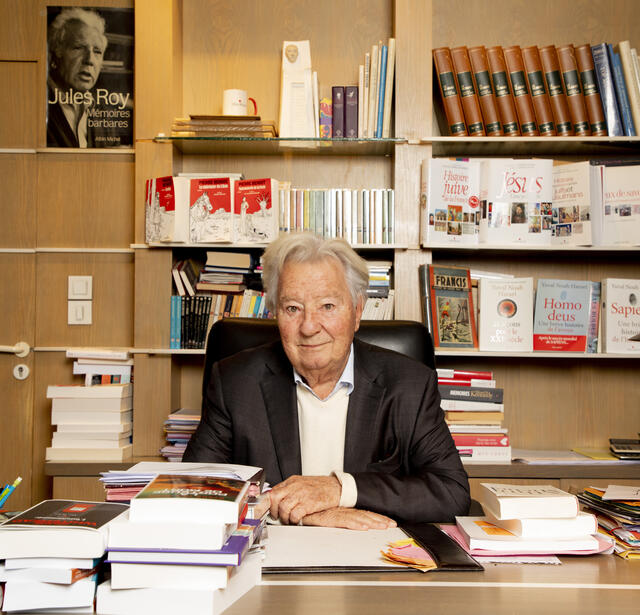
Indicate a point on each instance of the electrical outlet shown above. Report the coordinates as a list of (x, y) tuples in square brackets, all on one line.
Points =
[(79, 312)]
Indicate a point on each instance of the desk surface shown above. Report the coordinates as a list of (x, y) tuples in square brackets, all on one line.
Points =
[(588, 585)]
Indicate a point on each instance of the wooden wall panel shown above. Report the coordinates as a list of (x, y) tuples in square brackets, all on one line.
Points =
[(152, 292), (151, 403), (78, 488), (408, 158), (544, 22), (406, 282), (112, 299), (18, 104), (220, 54), (18, 200), (17, 298), (19, 31), (85, 200)]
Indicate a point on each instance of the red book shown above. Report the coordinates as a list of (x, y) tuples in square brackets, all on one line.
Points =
[(555, 87), (449, 92), (255, 209), (464, 374), (486, 95), (480, 439), (521, 95), (590, 90), (573, 88), (468, 95), (502, 90), (539, 95), (469, 382)]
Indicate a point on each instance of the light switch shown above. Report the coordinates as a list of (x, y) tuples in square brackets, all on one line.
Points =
[(79, 312), (80, 287)]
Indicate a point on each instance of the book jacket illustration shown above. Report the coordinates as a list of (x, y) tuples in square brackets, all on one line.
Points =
[(256, 210), (66, 514), (451, 305), (210, 209), (193, 486), (90, 77)]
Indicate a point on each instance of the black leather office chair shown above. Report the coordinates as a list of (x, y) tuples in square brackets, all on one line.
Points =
[(230, 335)]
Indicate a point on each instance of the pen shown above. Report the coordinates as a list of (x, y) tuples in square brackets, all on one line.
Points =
[(4, 496)]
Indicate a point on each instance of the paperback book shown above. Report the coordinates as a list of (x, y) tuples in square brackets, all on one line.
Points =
[(620, 315), (621, 208), (504, 501), (255, 213), (211, 210), (574, 189)]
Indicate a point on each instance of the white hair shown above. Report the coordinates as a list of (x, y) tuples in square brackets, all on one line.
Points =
[(57, 38)]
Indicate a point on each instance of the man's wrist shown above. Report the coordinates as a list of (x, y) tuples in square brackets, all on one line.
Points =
[(349, 490)]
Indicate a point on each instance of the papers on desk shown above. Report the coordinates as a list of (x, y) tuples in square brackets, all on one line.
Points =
[(621, 492), (555, 457), (308, 549)]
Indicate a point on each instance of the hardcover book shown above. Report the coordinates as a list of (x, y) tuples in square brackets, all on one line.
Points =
[(256, 210), (326, 118), (451, 306), (631, 81), (604, 76), (506, 314), (555, 88), (450, 97), (167, 209), (90, 103), (539, 94), (211, 210), (620, 315), (518, 201), (468, 94), (562, 310), (592, 99), (573, 89), (527, 501), (621, 92), (471, 393), (337, 105), (521, 94), (621, 211), (351, 111), (502, 89), (484, 89), (452, 214), (574, 191)]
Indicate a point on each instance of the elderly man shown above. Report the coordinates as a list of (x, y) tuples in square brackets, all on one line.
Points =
[(77, 43), (349, 434)]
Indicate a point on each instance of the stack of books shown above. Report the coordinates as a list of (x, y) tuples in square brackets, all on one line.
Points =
[(380, 295), (93, 423), (528, 519), (617, 510), (236, 126), (474, 411), (185, 541), (53, 554), (102, 366), (179, 427)]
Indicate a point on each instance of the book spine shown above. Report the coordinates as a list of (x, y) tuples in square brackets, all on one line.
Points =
[(539, 94), (575, 97), (472, 393), (604, 75), (521, 94), (468, 96), (381, 90), (449, 92), (594, 318), (555, 88), (504, 97), (486, 95), (480, 439), (388, 90), (621, 93), (351, 111), (337, 104), (592, 99), (629, 72)]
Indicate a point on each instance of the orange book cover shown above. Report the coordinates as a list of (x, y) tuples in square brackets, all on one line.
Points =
[(449, 92), (468, 95), (590, 90), (502, 90), (521, 95), (484, 88), (539, 94), (555, 88), (573, 88)]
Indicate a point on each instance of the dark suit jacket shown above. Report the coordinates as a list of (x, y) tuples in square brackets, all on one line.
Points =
[(397, 445)]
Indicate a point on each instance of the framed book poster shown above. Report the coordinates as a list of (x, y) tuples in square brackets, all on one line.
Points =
[(89, 77)]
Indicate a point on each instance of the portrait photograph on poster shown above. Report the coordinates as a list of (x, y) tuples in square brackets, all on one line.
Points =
[(90, 77)]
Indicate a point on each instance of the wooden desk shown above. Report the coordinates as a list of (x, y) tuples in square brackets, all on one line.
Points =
[(588, 585)]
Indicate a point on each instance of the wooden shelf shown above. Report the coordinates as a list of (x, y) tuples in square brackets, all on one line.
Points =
[(556, 249), (443, 352), (618, 470), (90, 468)]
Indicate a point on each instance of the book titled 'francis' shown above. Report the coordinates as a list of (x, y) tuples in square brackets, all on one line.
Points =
[(90, 103)]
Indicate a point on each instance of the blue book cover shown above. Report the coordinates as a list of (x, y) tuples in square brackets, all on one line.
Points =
[(621, 92), (604, 75), (382, 82), (174, 341)]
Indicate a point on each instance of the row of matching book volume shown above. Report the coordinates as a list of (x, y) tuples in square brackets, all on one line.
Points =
[(538, 91), (363, 110), (228, 209), (537, 202), (564, 316)]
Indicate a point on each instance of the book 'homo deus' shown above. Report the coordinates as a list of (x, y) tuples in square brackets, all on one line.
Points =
[(451, 307)]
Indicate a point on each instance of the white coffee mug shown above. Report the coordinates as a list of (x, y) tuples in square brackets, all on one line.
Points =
[(234, 102)]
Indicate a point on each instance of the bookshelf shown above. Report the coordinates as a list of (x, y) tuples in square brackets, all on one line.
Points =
[(187, 53)]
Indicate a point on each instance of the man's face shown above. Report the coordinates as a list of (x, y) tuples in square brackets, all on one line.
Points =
[(316, 318), (81, 59)]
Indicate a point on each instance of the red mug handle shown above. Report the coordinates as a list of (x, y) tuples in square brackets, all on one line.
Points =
[(255, 105)]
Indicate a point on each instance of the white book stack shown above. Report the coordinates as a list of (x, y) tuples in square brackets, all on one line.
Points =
[(93, 423)]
